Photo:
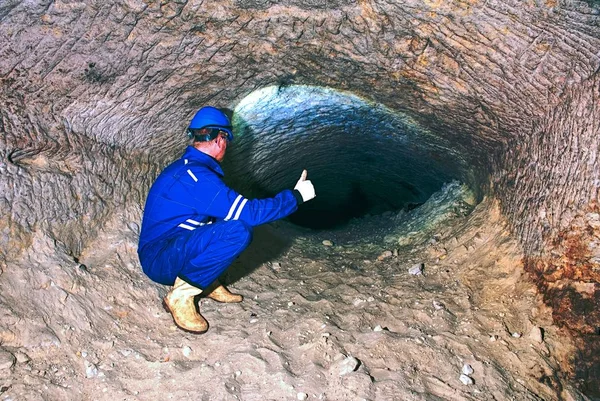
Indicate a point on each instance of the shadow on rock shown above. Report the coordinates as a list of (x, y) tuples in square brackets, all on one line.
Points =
[(267, 245)]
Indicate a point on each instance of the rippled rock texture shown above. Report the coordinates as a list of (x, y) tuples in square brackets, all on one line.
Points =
[(503, 95)]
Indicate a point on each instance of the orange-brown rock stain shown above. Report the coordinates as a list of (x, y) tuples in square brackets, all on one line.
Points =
[(569, 281)]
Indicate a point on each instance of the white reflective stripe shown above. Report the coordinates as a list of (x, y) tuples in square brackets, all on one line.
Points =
[(192, 175), (184, 161), (194, 222), (187, 227), (239, 211), (237, 200)]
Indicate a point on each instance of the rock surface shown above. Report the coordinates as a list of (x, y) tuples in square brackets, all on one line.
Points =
[(502, 95)]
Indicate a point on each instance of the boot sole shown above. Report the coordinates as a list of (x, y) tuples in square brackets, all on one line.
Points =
[(166, 308)]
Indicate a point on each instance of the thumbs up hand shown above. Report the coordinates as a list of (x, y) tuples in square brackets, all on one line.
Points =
[(305, 187)]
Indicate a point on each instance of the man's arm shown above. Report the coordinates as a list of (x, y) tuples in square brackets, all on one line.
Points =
[(227, 204)]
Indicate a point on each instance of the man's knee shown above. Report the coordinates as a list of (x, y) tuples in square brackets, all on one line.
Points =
[(241, 230)]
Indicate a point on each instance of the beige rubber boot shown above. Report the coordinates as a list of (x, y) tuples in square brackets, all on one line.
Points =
[(222, 294), (180, 303)]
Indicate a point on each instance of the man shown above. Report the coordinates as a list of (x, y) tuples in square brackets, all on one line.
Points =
[(194, 226)]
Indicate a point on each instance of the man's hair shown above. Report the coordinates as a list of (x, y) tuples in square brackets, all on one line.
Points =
[(202, 134)]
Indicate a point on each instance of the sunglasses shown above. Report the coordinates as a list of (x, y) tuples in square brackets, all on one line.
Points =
[(210, 133), (214, 132)]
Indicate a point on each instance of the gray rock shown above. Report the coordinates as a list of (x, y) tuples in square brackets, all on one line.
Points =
[(348, 365), (467, 369), (91, 370), (466, 380), (417, 269), (7, 360)]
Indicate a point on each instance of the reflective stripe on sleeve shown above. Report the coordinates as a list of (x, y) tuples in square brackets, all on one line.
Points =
[(232, 208), (182, 225), (239, 211)]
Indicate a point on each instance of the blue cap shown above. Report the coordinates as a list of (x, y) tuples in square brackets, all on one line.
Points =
[(211, 117)]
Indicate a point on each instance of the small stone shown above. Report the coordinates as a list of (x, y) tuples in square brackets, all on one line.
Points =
[(493, 338), (291, 303), (22, 357), (438, 305), (516, 334), (348, 365), (126, 351), (91, 370), (358, 301), (466, 380), (325, 334), (253, 320), (384, 255), (416, 270), (275, 265), (377, 328), (7, 360), (467, 369), (327, 243), (301, 396), (238, 373), (395, 252), (186, 351), (536, 334)]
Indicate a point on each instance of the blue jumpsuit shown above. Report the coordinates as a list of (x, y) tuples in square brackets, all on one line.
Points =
[(194, 226)]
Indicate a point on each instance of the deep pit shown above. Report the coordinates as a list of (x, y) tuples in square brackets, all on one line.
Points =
[(502, 96), (366, 159)]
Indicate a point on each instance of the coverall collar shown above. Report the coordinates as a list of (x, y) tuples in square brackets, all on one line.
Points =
[(191, 153)]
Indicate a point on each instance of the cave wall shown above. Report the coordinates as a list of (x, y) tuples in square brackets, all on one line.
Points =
[(95, 96)]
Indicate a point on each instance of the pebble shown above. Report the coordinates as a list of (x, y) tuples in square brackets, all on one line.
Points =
[(516, 335), (416, 270), (7, 360), (301, 396), (275, 265), (536, 334), (348, 365), (377, 328), (385, 255), (493, 338), (186, 351), (438, 305), (467, 369), (90, 370), (327, 243), (466, 380), (22, 357)]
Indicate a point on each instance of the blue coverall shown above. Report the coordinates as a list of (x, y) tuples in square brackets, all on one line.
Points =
[(194, 226)]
